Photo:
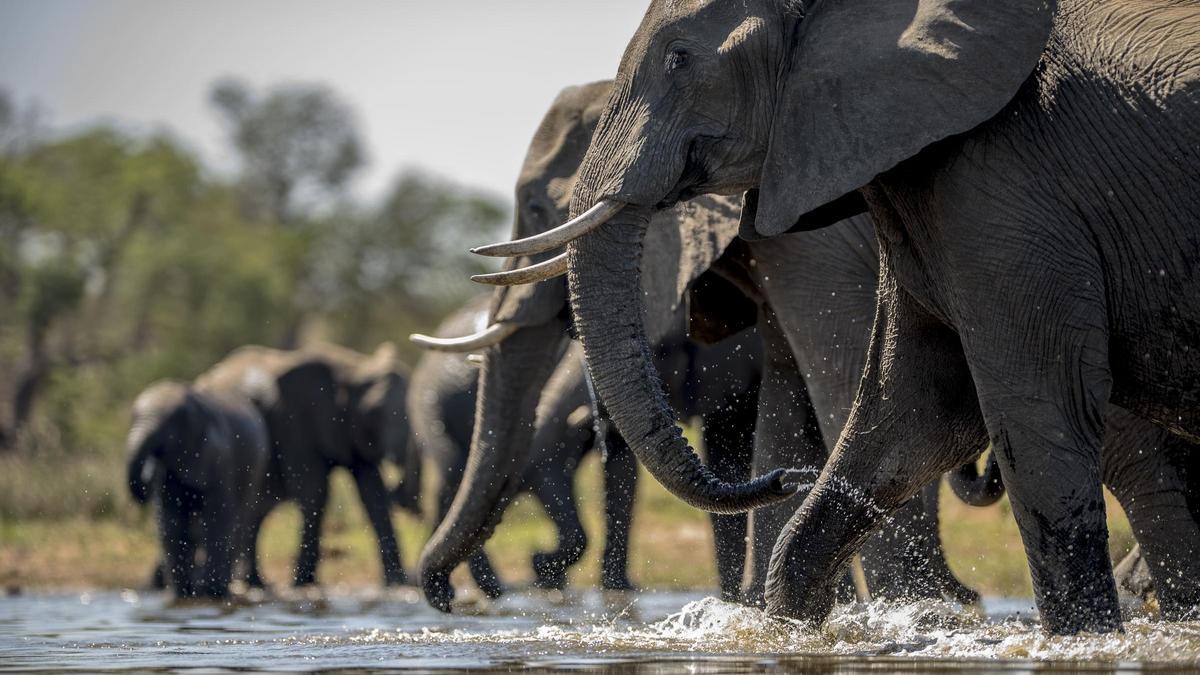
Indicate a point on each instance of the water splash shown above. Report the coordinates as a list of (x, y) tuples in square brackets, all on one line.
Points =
[(398, 630)]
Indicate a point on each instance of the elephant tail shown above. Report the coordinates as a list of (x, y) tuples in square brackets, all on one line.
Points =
[(978, 489)]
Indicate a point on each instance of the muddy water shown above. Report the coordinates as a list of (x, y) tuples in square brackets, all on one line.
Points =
[(582, 631)]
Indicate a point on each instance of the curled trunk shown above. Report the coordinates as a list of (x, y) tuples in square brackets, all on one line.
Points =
[(605, 286), (978, 489), (510, 382)]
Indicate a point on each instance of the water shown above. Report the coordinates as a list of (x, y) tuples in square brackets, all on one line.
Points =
[(679, 632)]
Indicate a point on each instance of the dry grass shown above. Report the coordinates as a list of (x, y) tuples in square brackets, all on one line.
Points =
[(671, 546)]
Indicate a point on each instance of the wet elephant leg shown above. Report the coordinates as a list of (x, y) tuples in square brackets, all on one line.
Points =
[(253, 575), (375, 500), (729, 444), (905, 559), (554, 487), (620, 490), (312, 510), (175, 533), (909, 423), (478, 563), (1141, 467), (786, 434), (220, 530), (1043, 382)]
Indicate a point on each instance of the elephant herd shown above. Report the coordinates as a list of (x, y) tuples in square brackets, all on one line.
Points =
[(864, 242)]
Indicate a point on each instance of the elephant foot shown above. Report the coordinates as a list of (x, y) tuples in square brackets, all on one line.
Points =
[(395, 577), (438, 591), (254, 580), (158, 579), (551, 573), (304, 580), (962, 594), (617, 582), (491, 587)]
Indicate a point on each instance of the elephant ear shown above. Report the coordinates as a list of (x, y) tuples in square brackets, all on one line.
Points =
[(872, 82), (680, 245)]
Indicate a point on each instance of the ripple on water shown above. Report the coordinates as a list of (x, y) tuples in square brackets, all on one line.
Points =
[(400, 630)]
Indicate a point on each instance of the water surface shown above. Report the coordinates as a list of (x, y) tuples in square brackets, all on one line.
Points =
[(582, 631)]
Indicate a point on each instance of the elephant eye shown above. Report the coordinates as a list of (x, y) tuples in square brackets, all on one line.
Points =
[(537, 212), (677, 59)]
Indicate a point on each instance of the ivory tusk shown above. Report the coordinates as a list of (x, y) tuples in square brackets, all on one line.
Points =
[(559, 236), (485, 338), (554, 267)]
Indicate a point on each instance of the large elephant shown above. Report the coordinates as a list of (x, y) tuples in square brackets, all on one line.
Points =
[(521, 347), (334, 408), (909, 563), (200, 454), (1030, 166)]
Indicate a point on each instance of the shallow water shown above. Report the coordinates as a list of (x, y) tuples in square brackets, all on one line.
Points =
[(581, 631)]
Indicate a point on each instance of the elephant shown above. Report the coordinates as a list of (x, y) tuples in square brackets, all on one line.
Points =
[(529, 322), (334, 407), (201, 455), (442, 401), (1030, 170), (1151, 472)]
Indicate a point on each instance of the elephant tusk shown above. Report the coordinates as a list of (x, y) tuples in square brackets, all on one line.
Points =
[(488, 337), (475, 359), (559, 236), (554, 267)]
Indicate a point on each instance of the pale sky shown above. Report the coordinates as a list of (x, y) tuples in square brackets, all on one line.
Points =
[(454, 87)]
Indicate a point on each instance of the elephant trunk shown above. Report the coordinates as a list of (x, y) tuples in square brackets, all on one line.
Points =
[(144, 465), (510, 382), (978, 489), (605, 287)]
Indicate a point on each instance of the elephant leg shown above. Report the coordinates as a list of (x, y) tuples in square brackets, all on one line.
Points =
[(175, 533), (729, 444), (915, 416), (1043, 382), (478, 563), (905, 559), (376, 501), (158, 576), (620, 491), (1140, 466), (555, 489), (786, 433), (253, 574), (312, 508), (220, 531)]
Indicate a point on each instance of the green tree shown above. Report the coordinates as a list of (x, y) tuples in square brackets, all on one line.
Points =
[(299, 145), (383, 273)]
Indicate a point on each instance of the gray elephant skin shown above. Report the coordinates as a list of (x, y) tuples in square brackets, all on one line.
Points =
[(532, 323), (908, 563), (334, 407), (441, 406), (1031, 167), (200, 455)]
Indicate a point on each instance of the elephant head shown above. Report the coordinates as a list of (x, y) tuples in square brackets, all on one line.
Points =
[(169, 427), (797, 104), (528, 325)]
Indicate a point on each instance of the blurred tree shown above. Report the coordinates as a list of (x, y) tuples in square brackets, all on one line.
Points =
[(299, 145), (122, 261), (382, 274)]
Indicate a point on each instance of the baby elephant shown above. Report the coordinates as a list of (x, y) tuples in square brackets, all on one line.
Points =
[(201, 455)]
